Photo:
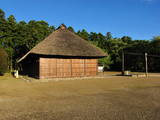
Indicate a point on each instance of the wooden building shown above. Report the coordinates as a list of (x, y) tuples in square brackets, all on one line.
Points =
[(61, 54)]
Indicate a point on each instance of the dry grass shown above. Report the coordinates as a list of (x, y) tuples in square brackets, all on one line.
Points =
[(111, 98)]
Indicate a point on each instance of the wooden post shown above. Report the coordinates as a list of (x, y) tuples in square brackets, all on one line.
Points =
[(146, 64), (122, 62), (71, 67), (84, 67), (56, 68)]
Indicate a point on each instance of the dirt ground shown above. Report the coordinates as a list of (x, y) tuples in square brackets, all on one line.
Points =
[(110, 98)]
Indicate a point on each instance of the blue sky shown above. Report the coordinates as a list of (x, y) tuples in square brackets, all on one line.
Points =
[(139, 19)]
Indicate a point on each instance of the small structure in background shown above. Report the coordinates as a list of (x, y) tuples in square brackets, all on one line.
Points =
[(127, 73), (62, 54), (16, 74), (100, 68)]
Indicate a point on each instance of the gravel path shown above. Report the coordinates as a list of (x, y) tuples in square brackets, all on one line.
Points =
[(117, 98)]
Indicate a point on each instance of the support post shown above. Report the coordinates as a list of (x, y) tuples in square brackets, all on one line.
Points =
[(122, 62), (146, 64)]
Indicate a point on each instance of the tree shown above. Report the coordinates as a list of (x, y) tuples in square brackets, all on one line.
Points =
[(29, 34), (127, 39), (2, 14), (20, 37), (71, 29), (136, 62), (106, 62), (3, 62), (114, 47), (37, 31), (154, 50), (2, 27), (156, 41), (93, 38), (109, 36), (10, 39), (101, 41), (84, 34), (17, 38)]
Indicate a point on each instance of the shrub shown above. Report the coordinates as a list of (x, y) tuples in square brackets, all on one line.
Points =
[(3, 61), (105, 62)]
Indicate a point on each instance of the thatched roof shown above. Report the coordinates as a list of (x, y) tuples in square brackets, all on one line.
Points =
[(65, 43)]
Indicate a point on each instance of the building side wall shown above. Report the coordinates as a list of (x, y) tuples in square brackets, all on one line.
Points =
[(58, 67)]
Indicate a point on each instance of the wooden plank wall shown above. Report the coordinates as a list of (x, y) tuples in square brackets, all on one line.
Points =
[(78, 67), (63, 67), (56, 67), (90, 67), (48, 68)]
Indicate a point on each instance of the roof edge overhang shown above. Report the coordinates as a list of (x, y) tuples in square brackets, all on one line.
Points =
[(59, 56)]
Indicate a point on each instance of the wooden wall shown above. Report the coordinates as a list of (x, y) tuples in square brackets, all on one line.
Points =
[(58, 67)]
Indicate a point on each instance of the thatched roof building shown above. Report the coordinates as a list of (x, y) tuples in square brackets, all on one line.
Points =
[(62, 45)]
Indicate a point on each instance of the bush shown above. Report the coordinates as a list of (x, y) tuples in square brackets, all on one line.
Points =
[(3, 61), (105, 62)]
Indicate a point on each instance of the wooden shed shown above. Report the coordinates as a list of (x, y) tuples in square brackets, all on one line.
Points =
[(61, 54)]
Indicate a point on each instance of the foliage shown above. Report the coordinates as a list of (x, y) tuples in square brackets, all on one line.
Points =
[(3, 61), (17, 38), (127, 39), (106, 62), (2, 14), (137, 62), (71, 29), (155, 45), (84, 34), (108, 36)]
